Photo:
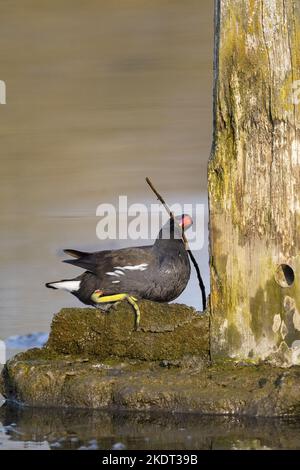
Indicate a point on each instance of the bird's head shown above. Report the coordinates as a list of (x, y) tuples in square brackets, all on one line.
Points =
[(185, 221), (173, 230)]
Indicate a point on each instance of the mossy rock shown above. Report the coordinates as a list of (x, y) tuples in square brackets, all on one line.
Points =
[(32, 378), (97, 360), (167, 332)]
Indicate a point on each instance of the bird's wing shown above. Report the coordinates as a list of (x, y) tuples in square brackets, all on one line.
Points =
[(88, 261), (126, 259)]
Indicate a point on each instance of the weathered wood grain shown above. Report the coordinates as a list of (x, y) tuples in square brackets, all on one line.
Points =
[(254, 176)]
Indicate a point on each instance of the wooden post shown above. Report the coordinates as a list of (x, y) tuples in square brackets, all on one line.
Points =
[(254, 182)]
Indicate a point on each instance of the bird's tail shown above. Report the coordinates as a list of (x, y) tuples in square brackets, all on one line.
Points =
[(70, 285), (76, 253)]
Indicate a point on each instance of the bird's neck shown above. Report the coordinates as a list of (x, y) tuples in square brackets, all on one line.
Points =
[(167, 243)]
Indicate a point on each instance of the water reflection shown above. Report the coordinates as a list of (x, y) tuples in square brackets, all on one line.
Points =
[(94, 429)]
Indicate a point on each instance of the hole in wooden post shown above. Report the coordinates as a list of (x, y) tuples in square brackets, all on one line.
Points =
[(284, 275)]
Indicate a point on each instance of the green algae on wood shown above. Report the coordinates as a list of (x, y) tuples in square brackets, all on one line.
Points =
[(254, 179)]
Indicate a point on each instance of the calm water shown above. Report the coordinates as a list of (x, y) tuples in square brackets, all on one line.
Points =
[(27, 428), (99, 95)]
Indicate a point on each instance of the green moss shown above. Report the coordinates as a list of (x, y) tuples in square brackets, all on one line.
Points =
[(219, 389), (255, 123), (234, 337), (263, 307), (167, 332)]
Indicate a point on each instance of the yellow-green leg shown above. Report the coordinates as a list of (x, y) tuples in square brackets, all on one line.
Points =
[(99, 299)]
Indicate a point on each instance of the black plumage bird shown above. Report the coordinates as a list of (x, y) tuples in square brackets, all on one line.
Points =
[(158, 272)]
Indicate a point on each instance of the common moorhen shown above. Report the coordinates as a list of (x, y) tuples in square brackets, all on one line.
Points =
[(158, 272)]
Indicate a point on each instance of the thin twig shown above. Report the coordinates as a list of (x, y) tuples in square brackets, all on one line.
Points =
[(171, 215), (160, 198)]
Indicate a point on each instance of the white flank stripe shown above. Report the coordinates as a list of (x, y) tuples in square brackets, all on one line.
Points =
[(120, 272), (70, 286), (115, 282), (112, 274)]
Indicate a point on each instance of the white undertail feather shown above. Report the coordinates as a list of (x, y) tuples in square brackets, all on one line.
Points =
[(70, 286)]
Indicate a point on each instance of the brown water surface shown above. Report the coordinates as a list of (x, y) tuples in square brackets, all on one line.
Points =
[(100, 94)]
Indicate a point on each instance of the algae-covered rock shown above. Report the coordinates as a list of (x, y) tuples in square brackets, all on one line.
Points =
[(36, 379), (167, 332), (97, 360)]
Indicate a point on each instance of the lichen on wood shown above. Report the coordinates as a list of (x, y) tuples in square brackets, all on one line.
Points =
[(254, 180)]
